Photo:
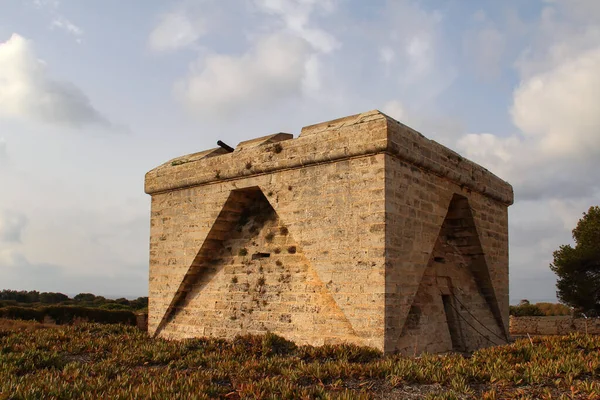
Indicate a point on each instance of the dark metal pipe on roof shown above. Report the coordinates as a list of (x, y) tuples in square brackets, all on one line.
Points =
[(225, 146)]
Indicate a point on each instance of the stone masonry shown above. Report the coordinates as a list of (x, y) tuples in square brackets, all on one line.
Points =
[(360, 230)]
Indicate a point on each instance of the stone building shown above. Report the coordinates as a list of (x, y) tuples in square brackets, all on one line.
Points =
[(360, 230)]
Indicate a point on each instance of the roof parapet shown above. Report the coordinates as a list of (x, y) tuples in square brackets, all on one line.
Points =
[(261, 141), (357, 135)]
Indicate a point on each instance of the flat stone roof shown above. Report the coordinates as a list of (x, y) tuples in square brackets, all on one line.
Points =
[(357, 135)]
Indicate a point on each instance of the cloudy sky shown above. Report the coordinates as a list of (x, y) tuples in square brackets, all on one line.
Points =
[(94, 94)]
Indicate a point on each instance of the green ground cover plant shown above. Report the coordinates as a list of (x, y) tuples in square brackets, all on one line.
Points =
[(90, 361)]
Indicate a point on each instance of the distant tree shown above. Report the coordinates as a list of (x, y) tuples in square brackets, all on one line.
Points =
[(20, 296), (524, 302), (525, 310), (578, 268), (8, 294), (81, 297), (122, 301), (53, 298), (139, 303)]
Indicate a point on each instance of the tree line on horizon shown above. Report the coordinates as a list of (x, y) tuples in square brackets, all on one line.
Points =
[(33, 298)]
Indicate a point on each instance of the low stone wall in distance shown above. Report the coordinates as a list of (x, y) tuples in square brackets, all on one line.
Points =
[(558, 325)]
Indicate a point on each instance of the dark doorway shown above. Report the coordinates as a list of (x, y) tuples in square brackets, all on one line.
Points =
[(453, 324)]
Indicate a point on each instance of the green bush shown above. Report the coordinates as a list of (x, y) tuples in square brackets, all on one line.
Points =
[(29, 314), (526, 310), (114, 306)]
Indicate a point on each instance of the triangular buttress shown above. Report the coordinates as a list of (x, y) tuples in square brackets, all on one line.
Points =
[(460, 232), (244, 214), (230, 215)]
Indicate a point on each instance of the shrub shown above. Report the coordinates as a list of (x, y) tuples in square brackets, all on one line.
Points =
[(67, 314), (53, 298), (553, 309), (114, 306), (526, 310), (85, 297), (29, 314)]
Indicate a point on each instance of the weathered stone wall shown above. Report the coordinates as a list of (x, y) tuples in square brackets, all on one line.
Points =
[(336, 257), (468, 232), (330, 238), (555, 325)]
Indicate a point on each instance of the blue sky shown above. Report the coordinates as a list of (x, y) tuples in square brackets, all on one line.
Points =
[(95, 94)]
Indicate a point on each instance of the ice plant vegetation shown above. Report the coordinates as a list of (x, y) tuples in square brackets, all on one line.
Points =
[(116, 361)]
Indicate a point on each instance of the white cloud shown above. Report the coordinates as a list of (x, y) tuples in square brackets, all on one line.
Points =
[(296, 15), (12, 225), (286, 57), (566, 29), (486, 46), (412, 52), (73, 248), (311, 83), (394, 109), (441, 128), (497, 153), (46, 3), (176, 30), (28, 92), (59, 21), (559, 141), (534, 233), (479, 16), (386, 55), (295, 19), (64, 24), (421, 55), (10, 257), (274, 69), (559, 108), (554, 108), (3, 152), (20, 273)]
